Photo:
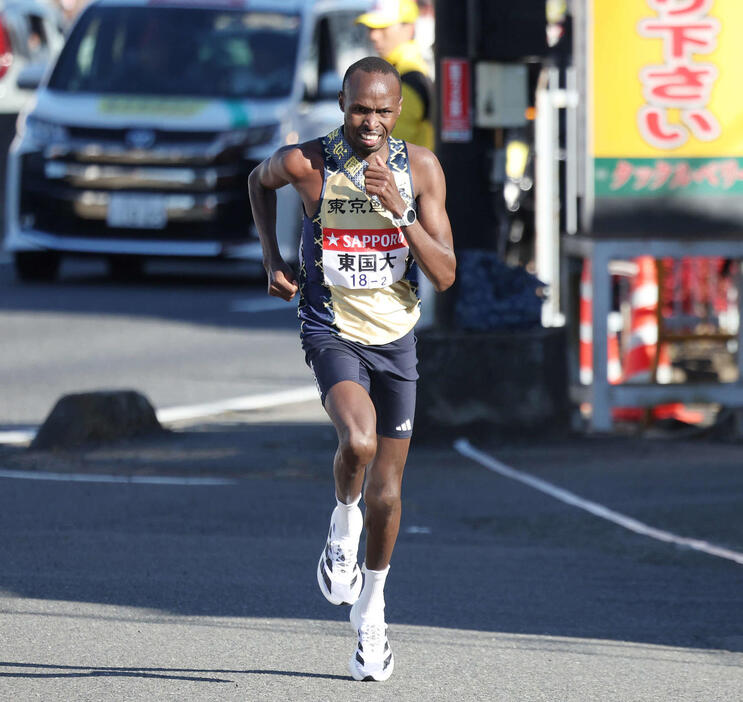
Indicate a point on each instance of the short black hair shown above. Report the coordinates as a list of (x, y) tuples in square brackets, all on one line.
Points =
[(372, 64)]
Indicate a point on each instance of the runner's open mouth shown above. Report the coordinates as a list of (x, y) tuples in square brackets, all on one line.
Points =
[(370, 138)]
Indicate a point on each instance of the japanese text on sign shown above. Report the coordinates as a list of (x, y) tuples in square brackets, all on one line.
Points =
[(456, 113), (660, 176), (682, 82)]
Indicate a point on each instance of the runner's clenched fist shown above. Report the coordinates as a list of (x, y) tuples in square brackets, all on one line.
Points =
[(381, 182)]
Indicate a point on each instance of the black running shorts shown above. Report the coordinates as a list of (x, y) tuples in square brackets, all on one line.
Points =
[(387, 372)]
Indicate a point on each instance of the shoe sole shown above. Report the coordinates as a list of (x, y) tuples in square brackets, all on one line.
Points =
[(358, 674), (324, 586)]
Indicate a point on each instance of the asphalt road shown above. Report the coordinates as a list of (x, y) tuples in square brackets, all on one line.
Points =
[(179, 336), (496, 592), (139, 591)]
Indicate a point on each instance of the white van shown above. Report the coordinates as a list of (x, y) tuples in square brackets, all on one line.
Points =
[(139, 141)]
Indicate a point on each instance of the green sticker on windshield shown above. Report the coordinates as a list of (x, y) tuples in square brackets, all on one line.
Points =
[(238, 114), (131, 105)]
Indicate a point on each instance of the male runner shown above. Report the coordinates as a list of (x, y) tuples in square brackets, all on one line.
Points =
[(374, 212)]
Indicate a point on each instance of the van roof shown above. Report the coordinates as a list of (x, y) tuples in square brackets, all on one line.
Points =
[(264, 5), (284, 5)]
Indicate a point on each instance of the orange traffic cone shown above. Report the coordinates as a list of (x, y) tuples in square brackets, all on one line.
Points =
[(585, 329), (643, 340), (585, 334), (643, 344), (614, 367)]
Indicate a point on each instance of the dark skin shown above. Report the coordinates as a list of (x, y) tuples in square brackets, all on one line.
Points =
[(370, 103)]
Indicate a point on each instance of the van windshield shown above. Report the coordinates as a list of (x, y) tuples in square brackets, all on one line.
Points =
[(175, 50)]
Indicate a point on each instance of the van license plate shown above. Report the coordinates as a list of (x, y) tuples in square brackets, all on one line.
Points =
[(137, 211)]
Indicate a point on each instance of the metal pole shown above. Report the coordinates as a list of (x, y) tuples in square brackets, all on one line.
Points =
[(557, 98), (601, 410), (543, 196), (572, 155), (547, 203)]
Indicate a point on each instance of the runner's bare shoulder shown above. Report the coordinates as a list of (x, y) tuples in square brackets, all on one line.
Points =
[(422, 157), (424, 165), (301, 161)]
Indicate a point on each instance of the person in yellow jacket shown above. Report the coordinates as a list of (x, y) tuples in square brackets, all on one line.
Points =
[(391, 25)]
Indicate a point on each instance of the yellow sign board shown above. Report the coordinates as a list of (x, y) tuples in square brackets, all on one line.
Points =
[(666, 78), (665, 96)]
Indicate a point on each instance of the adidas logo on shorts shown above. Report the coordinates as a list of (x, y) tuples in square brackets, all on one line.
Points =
[(405, 426)]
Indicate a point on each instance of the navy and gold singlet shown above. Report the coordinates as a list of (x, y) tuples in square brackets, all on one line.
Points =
[(357, 277)]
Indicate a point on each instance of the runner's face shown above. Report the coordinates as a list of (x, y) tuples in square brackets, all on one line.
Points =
[(371, 105)]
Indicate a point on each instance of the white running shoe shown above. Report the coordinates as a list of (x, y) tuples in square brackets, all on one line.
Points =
[(338, 573), (373, 659)]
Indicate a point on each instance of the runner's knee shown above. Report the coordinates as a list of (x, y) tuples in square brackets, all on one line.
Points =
[(357, 448), (384, 498)]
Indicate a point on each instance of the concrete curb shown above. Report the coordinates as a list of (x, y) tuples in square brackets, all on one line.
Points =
[(83, 418)]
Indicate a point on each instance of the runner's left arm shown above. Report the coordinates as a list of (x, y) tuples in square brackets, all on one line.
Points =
[(430, 237)]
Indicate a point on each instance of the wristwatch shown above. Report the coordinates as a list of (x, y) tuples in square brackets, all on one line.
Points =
[(409, 216)]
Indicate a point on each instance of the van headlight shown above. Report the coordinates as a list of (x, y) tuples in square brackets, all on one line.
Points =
[(251, 136), (258, 136), (42, 132)]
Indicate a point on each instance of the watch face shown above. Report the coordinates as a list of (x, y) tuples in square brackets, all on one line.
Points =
[(410, 216)]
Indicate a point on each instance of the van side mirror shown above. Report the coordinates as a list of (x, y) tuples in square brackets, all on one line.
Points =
[(30, 76)]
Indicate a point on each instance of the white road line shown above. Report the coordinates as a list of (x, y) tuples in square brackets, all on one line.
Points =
[(466, 449), (263, 304), (238, 404), (127, 479)]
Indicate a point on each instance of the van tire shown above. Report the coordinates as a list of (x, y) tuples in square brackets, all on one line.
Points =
[(36, 266)]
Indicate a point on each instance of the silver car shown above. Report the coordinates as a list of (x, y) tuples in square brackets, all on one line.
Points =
[(139, 142)]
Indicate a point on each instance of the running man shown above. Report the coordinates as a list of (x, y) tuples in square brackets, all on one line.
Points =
[(374, 214)]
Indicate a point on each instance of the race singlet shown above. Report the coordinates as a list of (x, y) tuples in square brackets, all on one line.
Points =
[(357, 275)]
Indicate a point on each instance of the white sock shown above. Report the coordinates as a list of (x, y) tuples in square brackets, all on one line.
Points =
[(370, 604), (347, 520)]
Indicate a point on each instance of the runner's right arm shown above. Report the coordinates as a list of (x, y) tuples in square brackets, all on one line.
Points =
[(263, 182)]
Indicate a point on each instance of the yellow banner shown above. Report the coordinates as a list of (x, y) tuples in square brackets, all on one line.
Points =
[(666, 78)]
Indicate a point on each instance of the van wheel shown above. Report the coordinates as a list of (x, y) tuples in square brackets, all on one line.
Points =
[(37, 266), (126, 268)]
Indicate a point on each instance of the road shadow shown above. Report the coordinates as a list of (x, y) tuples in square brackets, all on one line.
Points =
[(475, 551), (23, 670), (198, 293)]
